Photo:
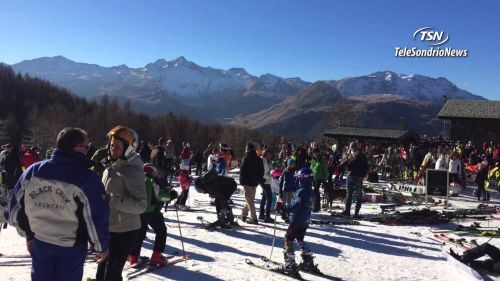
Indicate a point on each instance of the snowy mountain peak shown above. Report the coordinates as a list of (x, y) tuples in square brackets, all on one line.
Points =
[(268, 76), (182, 77), (180, 59), (160, 62), (386, 75), (416, 87), (237, 71), (121, 67)]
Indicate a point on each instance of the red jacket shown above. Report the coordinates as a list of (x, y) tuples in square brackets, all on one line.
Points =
[(30, 157), (186, 153)]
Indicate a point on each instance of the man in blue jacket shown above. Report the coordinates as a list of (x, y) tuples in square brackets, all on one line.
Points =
[(299, 214), (58, 205)]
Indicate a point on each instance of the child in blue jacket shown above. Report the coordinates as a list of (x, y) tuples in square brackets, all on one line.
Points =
[(299, 214)]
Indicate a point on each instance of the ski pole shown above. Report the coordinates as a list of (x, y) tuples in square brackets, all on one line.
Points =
[(180, 232), (274, 234)]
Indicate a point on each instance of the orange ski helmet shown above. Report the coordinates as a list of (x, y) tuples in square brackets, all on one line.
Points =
[(127, 136)]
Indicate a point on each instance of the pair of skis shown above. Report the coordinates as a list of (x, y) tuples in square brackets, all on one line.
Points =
[(462, 243), (278, 267), (145, 267), (332, 222)]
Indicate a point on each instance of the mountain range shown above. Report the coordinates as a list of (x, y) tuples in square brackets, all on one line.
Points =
[(285, 105)]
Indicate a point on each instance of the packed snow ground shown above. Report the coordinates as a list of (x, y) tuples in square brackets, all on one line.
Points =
[(350, 252)]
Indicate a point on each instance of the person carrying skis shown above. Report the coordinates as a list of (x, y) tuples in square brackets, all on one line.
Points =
[(299, 214), (153, 217)]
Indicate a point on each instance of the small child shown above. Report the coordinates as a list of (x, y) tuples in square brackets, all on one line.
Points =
[(152, 217), (299, 212), (184, 181), (275, 184)]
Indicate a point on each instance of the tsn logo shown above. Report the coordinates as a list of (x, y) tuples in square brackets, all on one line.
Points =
[(428, 34)]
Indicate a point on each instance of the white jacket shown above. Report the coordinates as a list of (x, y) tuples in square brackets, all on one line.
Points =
[(267, 171)]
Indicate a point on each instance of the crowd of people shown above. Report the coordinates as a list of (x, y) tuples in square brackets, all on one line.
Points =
[(109, 196)]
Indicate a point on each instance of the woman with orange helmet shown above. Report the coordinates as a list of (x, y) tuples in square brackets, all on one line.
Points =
[(124, 183)]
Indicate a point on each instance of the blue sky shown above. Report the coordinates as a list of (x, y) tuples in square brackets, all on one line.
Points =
[(314, 40)]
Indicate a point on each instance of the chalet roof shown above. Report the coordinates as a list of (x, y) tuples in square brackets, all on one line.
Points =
[(475, 109), (368, 133)]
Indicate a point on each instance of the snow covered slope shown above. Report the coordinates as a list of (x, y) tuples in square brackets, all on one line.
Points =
[(350, 252)]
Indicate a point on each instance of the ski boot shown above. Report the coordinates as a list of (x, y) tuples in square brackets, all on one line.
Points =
[(222, 220), (132, 260), (210, 226), (230, 218), (290, 267), (157, 259), (307, 264)]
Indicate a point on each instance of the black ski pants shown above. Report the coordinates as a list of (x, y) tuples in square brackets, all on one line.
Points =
[(156, 222), (481, 250), (119, 248)]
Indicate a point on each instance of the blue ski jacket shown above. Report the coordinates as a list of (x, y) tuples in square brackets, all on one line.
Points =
[(61, 202), (302, 205)]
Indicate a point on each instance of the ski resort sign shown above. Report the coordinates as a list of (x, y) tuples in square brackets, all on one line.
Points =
[(435, 40)]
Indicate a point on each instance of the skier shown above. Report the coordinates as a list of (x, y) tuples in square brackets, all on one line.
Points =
[(153, 217), (124, 183), (299, 214), (221, 188), (469, 257), (275, 183), (184, 181), (184, 176)]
